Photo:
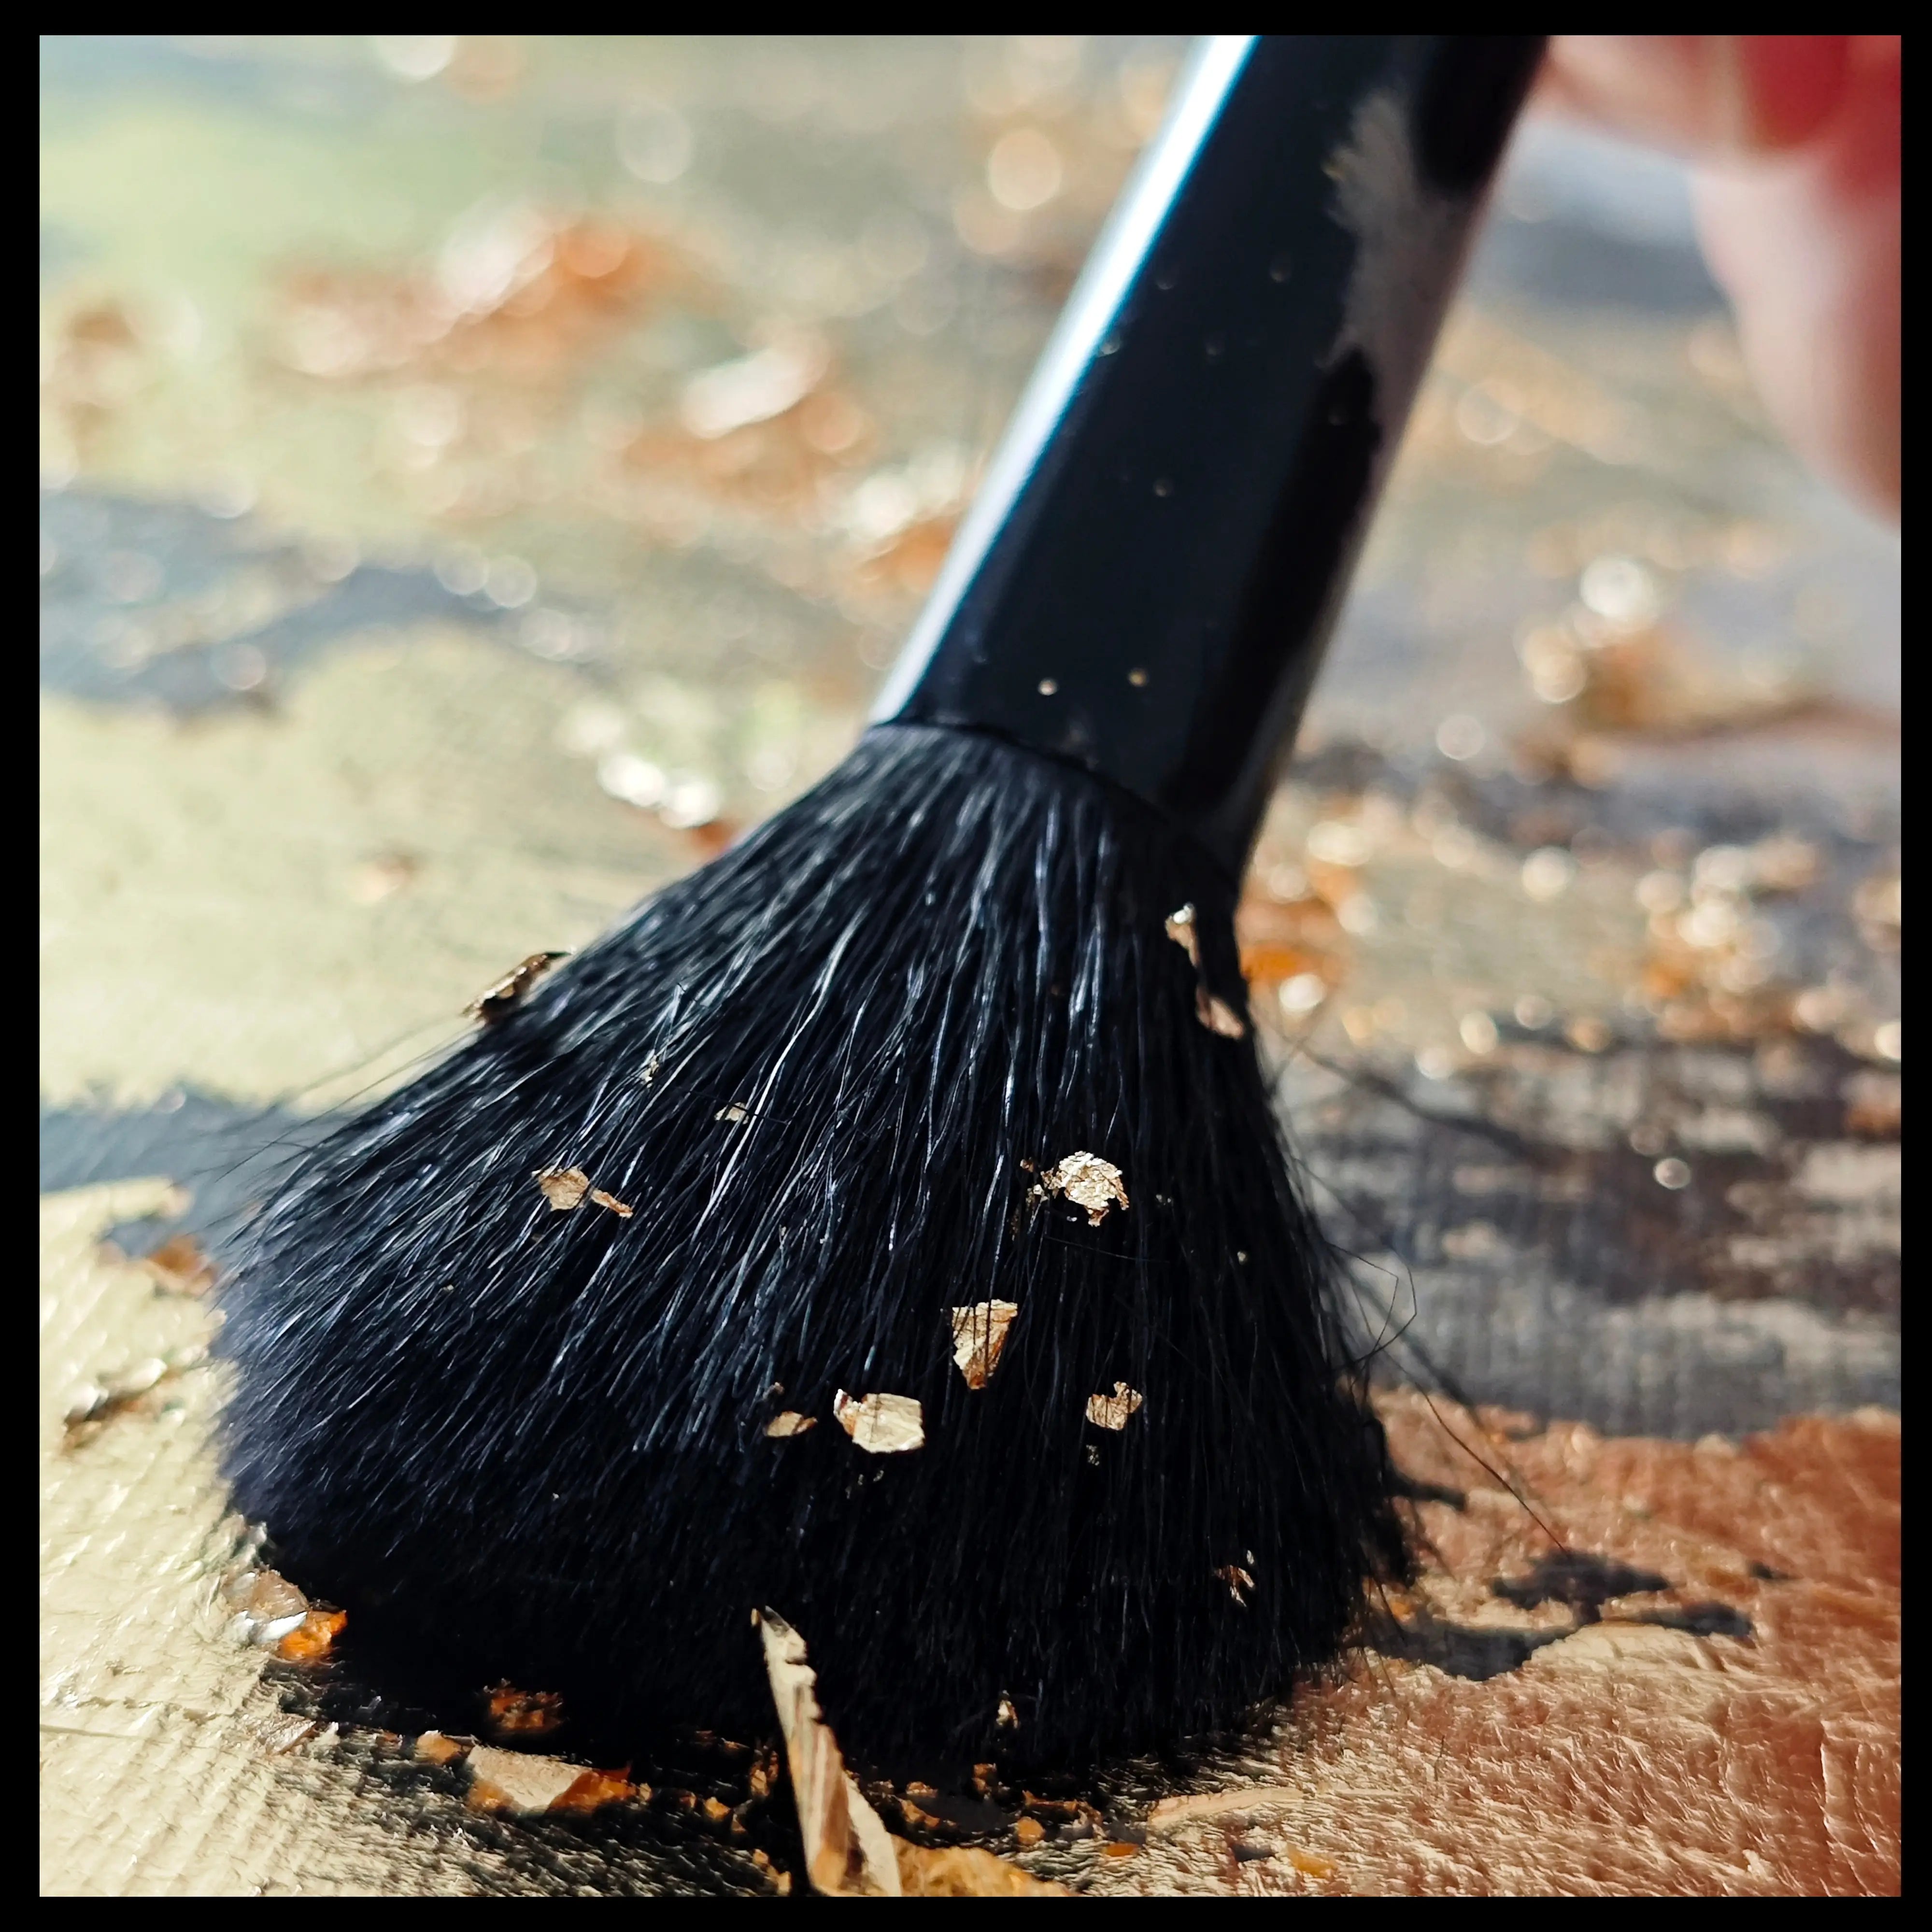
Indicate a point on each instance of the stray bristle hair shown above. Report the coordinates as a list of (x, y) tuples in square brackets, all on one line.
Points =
[(870, 1027)]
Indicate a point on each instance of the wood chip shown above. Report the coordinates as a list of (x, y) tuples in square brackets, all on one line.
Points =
[(1180, 930), (622, 1209), (1112, 1412), (979, 1339), (507, 994), (1217, 1016), (789, 1422), (1088, 1182), (563, 1187), (848, 1851), (881, 1425)]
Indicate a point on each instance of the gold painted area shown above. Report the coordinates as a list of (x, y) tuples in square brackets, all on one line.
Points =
[(160, 1774), (208, 910), (169, 1768), (1626, 1757)]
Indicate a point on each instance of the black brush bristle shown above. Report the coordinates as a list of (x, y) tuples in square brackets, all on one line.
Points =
[(826, 1074)]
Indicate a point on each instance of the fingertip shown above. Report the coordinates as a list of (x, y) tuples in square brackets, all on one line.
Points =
[(1778, 90), (1704, 94)]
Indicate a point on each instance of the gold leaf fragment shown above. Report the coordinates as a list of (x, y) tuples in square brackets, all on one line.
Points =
[(1180, 930), (1088, 1182), (509, 1781), (979, 1339), (1112, 1412), (1217, 1016), (563, 1187), (790, 1423), (622, 1209), (848, 1851), (436, 1747), (734, 1113), (507, 994), (1007, 1716), (882, 1425), (1238, 1581)]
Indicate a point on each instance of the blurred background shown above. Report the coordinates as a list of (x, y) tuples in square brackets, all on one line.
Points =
[(481, 475)]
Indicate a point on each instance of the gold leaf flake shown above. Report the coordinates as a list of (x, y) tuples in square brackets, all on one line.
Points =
[(1111, 1412), (622, 1209), (563, 1187), (1238, 1580), (848, 1851), (736, 1112), (435, 1748), (1217, 1016), (514, 1713), (979, 1339), (882, 1425), (1007, 1716), (1088, 1182), (1180, 930), (510, 1781), (790, 1423), (507, 994)]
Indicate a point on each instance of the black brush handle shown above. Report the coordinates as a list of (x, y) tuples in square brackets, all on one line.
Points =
[(1146, 580)]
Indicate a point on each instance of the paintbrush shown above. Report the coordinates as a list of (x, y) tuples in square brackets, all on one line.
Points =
[(888, 1223)]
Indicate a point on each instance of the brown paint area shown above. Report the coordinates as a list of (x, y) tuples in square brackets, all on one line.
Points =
[(1626, 1752)]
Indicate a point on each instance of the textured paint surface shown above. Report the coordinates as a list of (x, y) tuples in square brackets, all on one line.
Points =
[(397, 624)]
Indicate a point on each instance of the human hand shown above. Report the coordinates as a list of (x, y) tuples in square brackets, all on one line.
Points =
[(1794, 139)]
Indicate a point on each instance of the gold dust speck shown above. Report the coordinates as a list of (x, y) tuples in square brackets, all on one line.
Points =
[(1048, 686), (1238, 1581), (1180, 930), (1138, 678)]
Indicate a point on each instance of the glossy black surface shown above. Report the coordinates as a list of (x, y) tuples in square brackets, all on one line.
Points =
[(1160, 549)]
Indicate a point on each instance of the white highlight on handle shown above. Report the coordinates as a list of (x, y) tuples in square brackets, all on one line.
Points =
[(1090, 309)]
